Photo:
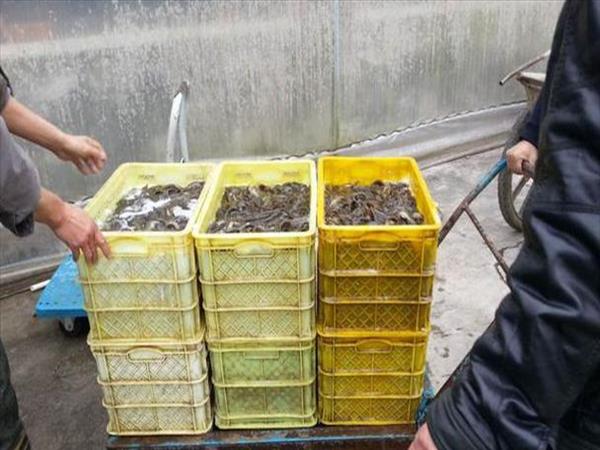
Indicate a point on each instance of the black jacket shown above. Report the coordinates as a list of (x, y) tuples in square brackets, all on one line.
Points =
[(533, 379)]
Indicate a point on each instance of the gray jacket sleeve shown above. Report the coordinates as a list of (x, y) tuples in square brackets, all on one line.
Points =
[(19, 179)]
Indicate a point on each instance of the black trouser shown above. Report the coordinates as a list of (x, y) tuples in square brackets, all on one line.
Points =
[(12, 433)]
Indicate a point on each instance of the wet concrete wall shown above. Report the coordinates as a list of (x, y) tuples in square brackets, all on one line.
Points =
[(267, 77)]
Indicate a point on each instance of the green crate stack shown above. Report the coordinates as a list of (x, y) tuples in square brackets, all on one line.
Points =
[(258, 298)]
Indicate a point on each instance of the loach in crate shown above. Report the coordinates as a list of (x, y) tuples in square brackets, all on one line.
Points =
[(154, 208), (244, 209), (379, 203)]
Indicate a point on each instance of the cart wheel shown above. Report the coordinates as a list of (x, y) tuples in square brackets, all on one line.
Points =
[(74, 327), (513, 189)]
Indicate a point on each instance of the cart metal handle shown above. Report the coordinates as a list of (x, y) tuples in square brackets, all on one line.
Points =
[(522, 67), (178, 124)]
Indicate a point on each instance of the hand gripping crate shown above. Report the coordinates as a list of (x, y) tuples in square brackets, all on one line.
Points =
[(376, 277), (147, 291), (158, 389), (258, 285)]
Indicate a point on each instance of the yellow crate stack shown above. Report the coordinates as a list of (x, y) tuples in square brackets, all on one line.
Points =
[(258, 296), (146, 332), (375, 289)]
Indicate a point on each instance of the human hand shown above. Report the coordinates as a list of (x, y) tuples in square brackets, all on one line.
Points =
[(84, 152), (72, 226), (81, 234), (522, 152), (423, 440)]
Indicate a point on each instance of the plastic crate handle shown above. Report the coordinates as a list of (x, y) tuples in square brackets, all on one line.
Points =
[(145, 354), (378, 246), (253, 250), (129, 245), (374, 346), (261, 355)]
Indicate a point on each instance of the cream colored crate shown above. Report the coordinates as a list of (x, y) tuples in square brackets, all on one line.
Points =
[(144, 256), (131, 319), (161, 362), (147, 290), (153, 375), (118, 394), (165, 419), (155, 389)]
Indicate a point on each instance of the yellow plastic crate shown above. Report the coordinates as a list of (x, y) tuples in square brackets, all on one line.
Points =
[(123, 319), (370, 384), (165, 419), (341, 285), (117, 394), (150, 363), (377, 277), (157, 256), (389, 249), (375, 315), (368, 410), (260, 323), (363, 353), (154, 389), (250, 361), (257, 285), (147, 290), (268, 405)]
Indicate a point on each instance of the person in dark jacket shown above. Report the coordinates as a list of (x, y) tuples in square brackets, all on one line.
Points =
[(23, 201), (532, 381)]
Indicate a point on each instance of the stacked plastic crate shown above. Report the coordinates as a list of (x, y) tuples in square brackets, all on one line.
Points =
[(375, 289), (259, 292), (143, 308)]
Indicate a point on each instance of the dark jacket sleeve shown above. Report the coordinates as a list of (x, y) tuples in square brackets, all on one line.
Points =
[(530, 130), (526, 373), (19, 180)]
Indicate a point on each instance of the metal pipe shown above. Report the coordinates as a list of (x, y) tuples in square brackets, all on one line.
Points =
[(527, 65), (481, 185)]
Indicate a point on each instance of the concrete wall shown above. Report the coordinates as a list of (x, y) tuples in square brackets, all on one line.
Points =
[(267, 77)]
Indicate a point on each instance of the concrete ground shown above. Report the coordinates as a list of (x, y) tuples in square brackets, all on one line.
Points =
[(54, 376)]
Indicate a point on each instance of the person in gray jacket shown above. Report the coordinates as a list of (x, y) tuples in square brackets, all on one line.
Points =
[(24, 201)]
